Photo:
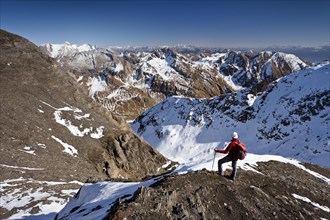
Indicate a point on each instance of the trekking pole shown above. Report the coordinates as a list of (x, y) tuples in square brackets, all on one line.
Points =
[(213, 159)]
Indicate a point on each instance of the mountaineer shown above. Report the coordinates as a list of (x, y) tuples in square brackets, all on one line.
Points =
[(232, 156)]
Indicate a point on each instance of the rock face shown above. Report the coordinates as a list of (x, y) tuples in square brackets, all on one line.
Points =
[(52, 131), (140, 79), (256, 71), (128, 158), (276, 191)]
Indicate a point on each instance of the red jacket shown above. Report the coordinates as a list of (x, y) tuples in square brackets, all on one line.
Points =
[(231, 149)]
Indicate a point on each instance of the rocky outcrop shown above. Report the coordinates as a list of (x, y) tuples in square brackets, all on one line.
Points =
[(128, 159), (257, 70), (277, 191)]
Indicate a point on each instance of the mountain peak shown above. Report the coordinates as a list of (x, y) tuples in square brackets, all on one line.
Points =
[(66, 49)]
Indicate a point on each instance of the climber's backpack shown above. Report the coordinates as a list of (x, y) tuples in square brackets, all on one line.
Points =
[(241, 151)]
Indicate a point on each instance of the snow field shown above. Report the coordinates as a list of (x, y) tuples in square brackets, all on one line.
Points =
[(16, 194)]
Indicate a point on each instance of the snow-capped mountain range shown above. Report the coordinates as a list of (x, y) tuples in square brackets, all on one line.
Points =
[(67, 49), (138, 79), (291, 118)]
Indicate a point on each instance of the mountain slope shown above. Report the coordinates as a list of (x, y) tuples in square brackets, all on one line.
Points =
[(54, 137), (291, 118)]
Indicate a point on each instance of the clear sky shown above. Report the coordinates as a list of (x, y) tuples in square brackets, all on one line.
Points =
[(222, 23)]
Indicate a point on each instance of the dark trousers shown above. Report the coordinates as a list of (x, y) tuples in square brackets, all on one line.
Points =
[(226, 159)]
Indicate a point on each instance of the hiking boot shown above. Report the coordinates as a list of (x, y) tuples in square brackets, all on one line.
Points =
[(230, 178)]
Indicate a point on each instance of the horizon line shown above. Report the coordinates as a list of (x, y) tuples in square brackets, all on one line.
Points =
[(194, 46)]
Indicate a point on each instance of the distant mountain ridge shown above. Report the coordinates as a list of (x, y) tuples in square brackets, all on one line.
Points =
[(140, 79), (67, 49)]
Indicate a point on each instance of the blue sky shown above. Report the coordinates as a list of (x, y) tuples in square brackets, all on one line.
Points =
[(245, 23)]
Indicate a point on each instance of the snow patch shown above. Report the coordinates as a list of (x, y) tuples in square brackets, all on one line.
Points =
[(160, 67), (28, 150), (80, 78), (21, 168), (80, 117), (69, 149), (42, 145), (74, 130), (229, 81), (96, 84), (47, 202), (119, 67), (251, 99), (316, 205), (98, 133), (24, 199), (101, 195)]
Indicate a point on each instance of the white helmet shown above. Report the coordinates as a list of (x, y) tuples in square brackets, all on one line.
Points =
[(235, 135)]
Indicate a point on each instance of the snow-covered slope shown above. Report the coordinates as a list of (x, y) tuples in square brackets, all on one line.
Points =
[(291, 118)]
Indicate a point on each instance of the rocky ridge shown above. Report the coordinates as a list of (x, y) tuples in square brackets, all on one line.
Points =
[(276, 191), (265, 190)]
